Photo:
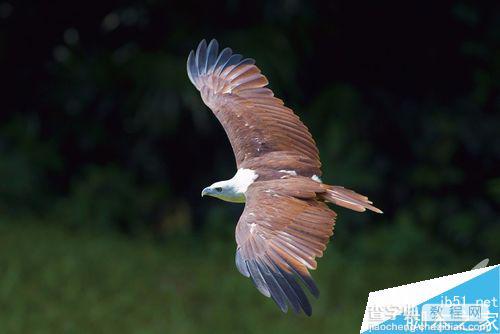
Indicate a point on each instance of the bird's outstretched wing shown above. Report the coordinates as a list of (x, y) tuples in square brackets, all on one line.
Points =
[(280, 233), (255, 121)]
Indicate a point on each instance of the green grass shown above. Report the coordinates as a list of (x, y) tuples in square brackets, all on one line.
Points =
[(56, 281)]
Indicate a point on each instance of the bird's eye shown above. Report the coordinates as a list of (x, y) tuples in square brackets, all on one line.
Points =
[(219, 189)]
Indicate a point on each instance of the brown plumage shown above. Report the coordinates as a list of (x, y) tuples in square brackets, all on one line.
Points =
[(255, 121), (286, 224)]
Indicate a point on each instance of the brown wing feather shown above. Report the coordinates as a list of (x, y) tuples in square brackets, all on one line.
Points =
[(255, 121), (280, 233)]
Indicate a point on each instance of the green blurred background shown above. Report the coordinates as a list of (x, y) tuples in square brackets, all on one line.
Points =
[(105, 146)]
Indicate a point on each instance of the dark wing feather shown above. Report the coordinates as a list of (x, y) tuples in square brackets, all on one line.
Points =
[(280, 233), (255, 121)]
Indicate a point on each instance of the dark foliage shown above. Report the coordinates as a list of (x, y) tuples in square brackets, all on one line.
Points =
[(101, 127)]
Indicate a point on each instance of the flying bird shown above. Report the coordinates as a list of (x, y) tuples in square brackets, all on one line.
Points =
[(286, 223)]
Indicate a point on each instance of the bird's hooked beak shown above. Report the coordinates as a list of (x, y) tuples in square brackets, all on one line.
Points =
[(206, 191)]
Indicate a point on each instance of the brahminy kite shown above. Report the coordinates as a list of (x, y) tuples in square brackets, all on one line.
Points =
[(285, 224)]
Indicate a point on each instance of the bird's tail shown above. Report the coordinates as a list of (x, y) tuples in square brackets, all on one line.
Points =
[(348, 199)]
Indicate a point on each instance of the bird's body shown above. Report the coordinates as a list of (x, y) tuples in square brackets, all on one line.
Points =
[(234, 189), (286, 223)]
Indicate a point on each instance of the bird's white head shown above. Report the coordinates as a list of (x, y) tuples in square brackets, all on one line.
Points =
[(225, 191), (232, 190)]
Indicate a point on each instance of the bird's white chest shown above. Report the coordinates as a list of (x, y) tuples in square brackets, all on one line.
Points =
[(243, 179)]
